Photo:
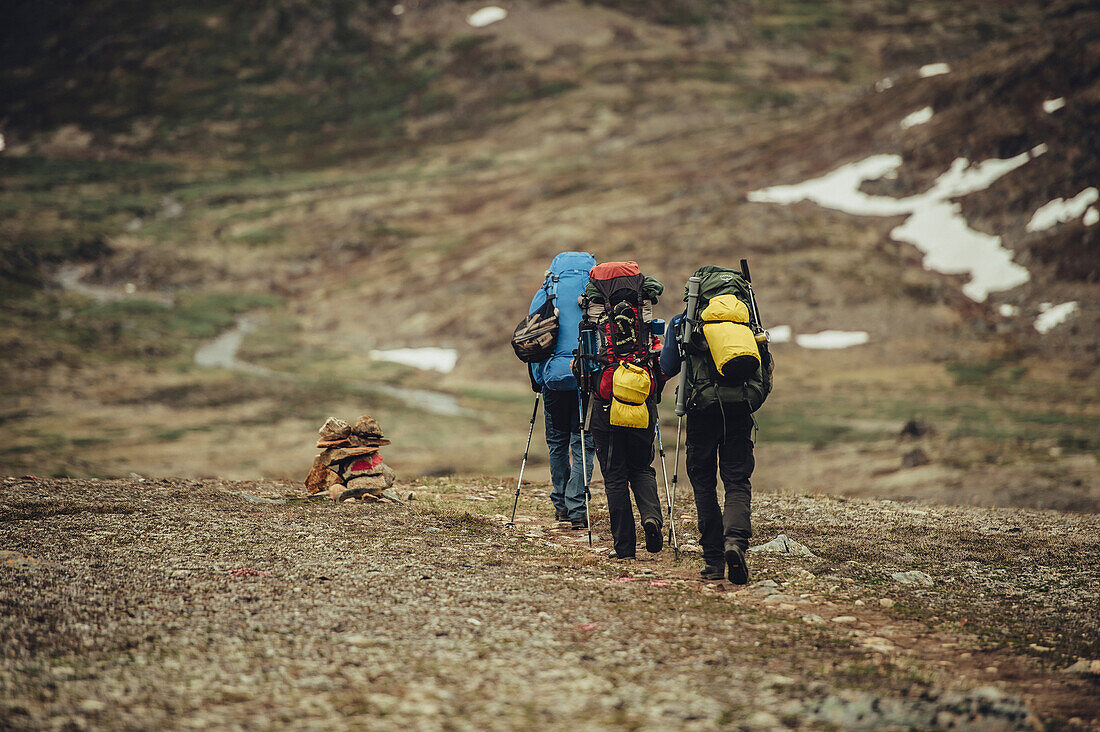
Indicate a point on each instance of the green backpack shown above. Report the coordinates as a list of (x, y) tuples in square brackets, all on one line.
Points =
[(706, 388)]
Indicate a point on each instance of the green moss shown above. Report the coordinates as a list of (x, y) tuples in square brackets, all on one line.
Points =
[(984, 372)]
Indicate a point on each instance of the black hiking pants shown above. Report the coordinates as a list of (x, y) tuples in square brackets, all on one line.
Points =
[(626, 461), (721, 446)]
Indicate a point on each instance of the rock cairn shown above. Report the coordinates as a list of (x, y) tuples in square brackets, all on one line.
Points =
[(350, 465)]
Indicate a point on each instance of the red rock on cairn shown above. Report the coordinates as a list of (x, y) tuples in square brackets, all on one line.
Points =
[(350, 466)]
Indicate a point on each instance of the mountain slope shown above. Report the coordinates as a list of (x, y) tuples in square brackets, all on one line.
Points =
[(364, 180)]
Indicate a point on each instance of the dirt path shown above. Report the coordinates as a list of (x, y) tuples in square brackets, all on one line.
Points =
[(129, 604)]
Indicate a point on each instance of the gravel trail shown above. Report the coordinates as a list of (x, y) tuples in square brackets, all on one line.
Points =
[(181, 604)]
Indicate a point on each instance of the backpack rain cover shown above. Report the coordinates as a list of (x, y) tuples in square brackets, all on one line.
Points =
[(570, 269)]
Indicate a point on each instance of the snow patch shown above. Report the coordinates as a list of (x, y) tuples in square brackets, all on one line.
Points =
[(840, 189), (1051, 316), (442, 360), (917, 118), (1008, 311), (221, 353), (1051, 106), (1092, 216), (935, 224), (779, 334), (398, 10), (1060, 210), (933, 70), (487, 16), (831, 339), (883, 84)]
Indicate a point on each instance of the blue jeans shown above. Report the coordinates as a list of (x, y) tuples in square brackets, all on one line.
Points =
[(563, 438)]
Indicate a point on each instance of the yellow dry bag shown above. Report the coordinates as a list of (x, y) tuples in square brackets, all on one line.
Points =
[(729, 337), (630, 388)]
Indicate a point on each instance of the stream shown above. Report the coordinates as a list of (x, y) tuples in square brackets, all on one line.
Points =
[(222, 352)]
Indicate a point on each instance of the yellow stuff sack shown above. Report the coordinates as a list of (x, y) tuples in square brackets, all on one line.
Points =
[(729, 337), (630, 388)]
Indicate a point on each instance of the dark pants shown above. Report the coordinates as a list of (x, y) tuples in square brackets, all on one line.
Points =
[(723, 446), (626, 461)]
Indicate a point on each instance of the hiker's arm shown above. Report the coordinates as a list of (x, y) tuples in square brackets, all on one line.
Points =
[(670, 354), (755, 391), (535, 385)]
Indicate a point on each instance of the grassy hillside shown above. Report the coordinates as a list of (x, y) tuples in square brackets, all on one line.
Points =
[(355, 179)]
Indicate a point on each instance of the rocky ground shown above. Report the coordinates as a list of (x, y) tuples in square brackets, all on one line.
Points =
[(183, 603)]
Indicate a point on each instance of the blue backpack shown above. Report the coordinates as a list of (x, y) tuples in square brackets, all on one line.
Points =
[(565, 281)]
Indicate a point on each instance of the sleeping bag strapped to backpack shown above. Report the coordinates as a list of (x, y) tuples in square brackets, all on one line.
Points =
[(619, 302), (565, 281), (725, 345), (729, 338)]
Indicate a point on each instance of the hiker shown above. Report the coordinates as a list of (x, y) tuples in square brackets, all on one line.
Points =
[(621, 389), (570, 471), (727, 377)]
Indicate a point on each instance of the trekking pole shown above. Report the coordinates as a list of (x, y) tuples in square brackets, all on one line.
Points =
[(668, 495), (761, 335), (523, 465), (675, 470), (586, 352), (584, 466), (681, 389)]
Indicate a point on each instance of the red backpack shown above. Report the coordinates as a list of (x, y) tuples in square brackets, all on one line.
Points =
[(616, 305)]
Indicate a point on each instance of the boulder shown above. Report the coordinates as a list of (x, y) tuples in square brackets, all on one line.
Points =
[(1084, 666), (334, 428), (367, 426), (782, 545), (913, 577), (321, 478)]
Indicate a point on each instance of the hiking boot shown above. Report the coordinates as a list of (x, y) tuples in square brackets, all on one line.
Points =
[(738, 568), (614, 555), (713, 572), (580, 524), (561, 515), (654, 540)]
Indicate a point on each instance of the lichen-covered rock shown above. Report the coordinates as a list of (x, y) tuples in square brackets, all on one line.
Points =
[(784, 545), (367, 426), (914, 577), (334, 428)]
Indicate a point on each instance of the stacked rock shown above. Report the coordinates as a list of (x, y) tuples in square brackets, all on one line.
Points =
[(350, 466)]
